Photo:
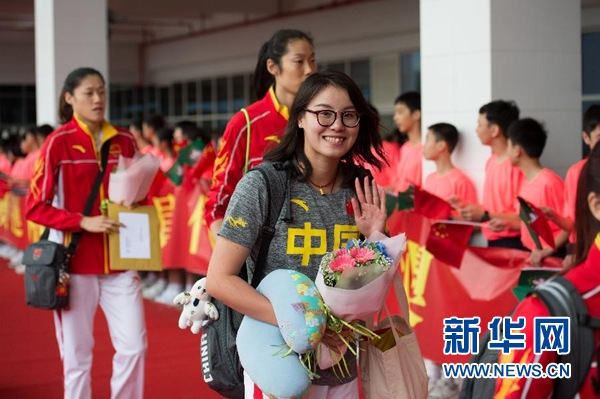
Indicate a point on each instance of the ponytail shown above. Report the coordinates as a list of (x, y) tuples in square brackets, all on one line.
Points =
[(65, 111), (262, 78)]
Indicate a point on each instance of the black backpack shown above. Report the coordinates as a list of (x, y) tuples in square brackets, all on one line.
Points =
[(562, 299), (220, 362)]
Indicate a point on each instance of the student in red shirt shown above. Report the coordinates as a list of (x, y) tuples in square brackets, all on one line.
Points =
[(392, 142), (22, 171), (447, 182), (591, 136), (284, 62), (502, 179), (407, 117), (543, 188), (585, 276)]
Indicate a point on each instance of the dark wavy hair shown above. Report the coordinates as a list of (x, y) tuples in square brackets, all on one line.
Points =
[(274, 49), (73, 80), (586, 225), (366, 149)]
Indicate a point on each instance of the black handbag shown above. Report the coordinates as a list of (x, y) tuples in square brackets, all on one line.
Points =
[(47, 262)]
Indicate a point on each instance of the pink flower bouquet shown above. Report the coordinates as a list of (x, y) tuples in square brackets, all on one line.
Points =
[(130, 181), (354, 282)]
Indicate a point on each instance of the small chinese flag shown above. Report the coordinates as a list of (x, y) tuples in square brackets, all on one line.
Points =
[(430, 205), (536, 223), (447, 242)]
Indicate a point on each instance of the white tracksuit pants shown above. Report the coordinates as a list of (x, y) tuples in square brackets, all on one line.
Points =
[(120, 298)]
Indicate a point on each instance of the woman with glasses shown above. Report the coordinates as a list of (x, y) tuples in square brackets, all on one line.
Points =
[(331, 128), (283, 63)]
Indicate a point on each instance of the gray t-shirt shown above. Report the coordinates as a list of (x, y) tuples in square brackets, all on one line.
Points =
[(321, 223)]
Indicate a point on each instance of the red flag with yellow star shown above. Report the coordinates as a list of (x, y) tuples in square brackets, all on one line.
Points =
[(448, 242)]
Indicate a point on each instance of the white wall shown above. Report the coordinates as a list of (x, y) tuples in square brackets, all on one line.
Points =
[(354, 31), (18, 62)]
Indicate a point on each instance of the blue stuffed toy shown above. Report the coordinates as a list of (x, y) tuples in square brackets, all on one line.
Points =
[(270, 354)]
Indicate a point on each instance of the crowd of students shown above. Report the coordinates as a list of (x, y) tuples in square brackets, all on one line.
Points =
[(189, 156)]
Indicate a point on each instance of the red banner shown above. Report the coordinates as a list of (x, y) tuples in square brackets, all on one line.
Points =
[(481, 286), (189, 245), (14, 228), (184, 238)]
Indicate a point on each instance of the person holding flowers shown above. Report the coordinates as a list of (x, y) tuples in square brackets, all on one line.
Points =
[(69, 163), (330, 130)]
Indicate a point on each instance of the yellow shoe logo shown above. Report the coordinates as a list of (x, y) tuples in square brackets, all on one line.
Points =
[(236, 223), (79, 148)]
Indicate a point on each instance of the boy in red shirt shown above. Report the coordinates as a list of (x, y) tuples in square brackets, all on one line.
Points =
[(591, 136), (407, 117), (502, 179), (447, 182), (543, 188)]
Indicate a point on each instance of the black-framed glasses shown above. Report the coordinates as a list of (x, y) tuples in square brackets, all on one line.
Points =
[(327, 117)]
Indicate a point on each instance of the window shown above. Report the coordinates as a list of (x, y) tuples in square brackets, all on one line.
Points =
[(164, 101), (360, 72), (151, 105), (206, 89), (177, 99), (410, 71), (191, 106), (222, 103), (239, 92)]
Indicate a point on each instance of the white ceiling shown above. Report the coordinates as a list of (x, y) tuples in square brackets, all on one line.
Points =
[(146, 21), (143, 21)]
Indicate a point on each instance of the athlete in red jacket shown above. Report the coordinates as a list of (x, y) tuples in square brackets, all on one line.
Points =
[(63, 178), (283, 64), (64, 175)]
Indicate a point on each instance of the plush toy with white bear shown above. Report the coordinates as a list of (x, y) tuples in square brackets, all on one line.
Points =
[(197, 308)]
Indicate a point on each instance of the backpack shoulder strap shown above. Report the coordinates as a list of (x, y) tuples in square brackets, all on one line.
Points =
[(562, 299), (276, 177)]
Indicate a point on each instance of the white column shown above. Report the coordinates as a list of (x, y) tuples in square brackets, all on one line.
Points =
[(477, 51), (68, 34)]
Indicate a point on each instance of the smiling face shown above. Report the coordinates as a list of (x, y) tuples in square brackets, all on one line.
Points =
[(334, 141), (89, 100)]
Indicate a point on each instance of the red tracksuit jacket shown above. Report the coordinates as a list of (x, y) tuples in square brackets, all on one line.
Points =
[(268, 119), (62, 181)]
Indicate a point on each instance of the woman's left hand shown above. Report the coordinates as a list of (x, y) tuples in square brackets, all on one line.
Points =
[(369, 207)]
